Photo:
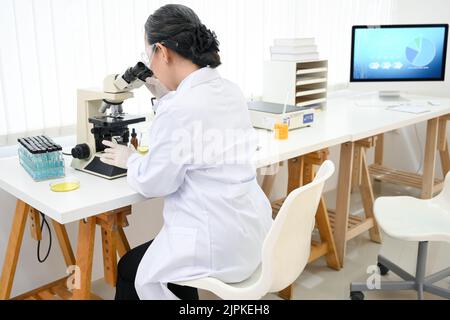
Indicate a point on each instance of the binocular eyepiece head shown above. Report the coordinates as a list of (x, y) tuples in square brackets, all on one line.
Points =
[(139, 71)]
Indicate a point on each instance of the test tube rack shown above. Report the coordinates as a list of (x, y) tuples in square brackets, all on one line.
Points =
[(41, 158)]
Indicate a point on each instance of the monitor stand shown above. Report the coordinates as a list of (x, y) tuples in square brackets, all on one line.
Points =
[(391, 96)]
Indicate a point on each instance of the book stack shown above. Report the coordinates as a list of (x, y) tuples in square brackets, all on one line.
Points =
[(295, 49)]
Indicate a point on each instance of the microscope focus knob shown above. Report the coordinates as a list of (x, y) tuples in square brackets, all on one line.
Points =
[(81, 151)]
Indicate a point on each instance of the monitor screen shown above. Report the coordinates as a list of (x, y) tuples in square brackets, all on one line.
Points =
[(398, 53)]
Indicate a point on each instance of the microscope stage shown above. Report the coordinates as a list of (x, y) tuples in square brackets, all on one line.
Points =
[(111, 122)]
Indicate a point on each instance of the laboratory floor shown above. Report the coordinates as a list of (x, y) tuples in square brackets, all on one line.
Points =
[(320, 282)]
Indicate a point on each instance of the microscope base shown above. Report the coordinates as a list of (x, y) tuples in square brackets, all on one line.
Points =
[(96, 167)]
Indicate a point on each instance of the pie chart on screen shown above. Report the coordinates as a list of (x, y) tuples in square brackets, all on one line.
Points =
[(420, 52)]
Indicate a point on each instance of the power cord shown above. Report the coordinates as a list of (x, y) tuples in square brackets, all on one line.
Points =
[(67, 153), (44, 221)]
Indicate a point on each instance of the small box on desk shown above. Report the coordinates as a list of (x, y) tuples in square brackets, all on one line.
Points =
[(265, 115)]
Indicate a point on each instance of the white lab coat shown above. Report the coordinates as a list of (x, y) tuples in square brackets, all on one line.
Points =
[(215, 214)]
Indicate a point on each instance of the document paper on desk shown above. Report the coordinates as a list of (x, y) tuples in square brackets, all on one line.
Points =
[(418, 108)]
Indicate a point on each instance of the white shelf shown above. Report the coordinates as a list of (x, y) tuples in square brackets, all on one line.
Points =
[(312, 70), (309, 102), (310, 92), (310, 80)]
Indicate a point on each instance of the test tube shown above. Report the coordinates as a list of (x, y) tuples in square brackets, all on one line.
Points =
[(143, 143)]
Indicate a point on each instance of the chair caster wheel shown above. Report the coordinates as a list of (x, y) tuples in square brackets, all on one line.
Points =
[(356, 295), (383, 269)]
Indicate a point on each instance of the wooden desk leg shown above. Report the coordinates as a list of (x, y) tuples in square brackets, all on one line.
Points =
[(121, 242), (326, 235), (368, 198), (35, 224), (109, 237), (267, 184), (85, 254), (356, 171), (295, 176), (286, 294), (430, 159), (13, 249), (269, 179), (443, 145), (322, 221), (379, 150), (64, 243), (343, 199)]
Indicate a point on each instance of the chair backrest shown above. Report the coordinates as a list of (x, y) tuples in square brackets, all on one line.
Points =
[(287, 246)]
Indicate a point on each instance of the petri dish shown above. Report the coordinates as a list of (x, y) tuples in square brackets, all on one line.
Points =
[(65, 185)]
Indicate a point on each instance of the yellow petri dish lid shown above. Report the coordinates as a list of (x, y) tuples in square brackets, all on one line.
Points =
[(65, 185)]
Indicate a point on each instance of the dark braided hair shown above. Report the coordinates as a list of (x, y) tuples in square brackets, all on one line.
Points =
[(180, 29)]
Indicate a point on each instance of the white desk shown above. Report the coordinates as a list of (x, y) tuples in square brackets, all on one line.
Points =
[(329, 129), (343, 123), (97, 195), (362, 122)]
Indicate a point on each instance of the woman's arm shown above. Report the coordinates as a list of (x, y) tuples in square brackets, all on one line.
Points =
[(161, 171)]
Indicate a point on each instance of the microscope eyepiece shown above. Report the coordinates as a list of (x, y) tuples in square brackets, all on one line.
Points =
[(139, 71)]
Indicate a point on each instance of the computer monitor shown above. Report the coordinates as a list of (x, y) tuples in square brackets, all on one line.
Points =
[(395, 53)]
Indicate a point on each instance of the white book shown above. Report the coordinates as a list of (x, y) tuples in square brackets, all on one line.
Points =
[(294, 42), (295, 57), (293, 50), (409, 108)]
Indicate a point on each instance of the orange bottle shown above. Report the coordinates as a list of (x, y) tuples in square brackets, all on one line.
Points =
[(134, 140)]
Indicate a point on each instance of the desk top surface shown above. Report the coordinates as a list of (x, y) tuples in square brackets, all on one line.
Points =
[(342, 121), (366, 121), (95, 195)]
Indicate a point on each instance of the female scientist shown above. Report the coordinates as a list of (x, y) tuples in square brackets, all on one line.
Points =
[(201, 146)]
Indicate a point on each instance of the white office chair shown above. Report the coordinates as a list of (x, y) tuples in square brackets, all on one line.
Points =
[(412, 219), (286, 247)]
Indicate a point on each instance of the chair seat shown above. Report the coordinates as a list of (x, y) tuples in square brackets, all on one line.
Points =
[(246, 289), (286, 247), (412, 219)]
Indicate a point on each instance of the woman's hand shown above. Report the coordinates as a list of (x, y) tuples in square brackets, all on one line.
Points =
[(156, 87), (117, 155)]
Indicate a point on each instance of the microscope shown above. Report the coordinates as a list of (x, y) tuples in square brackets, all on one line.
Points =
[(100, 117)]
